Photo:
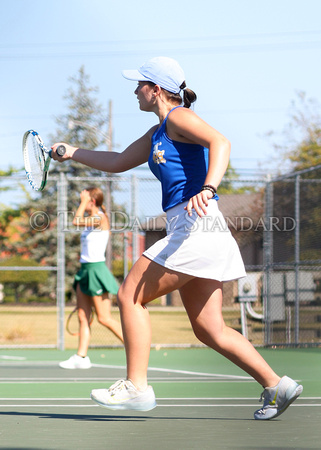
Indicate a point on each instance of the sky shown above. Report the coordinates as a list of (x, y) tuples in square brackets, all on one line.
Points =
[(245, 59)]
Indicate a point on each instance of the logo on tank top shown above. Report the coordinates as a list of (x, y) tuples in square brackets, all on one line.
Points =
[(158, 155)]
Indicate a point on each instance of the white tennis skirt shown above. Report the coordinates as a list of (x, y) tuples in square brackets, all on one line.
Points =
[(199, 246)]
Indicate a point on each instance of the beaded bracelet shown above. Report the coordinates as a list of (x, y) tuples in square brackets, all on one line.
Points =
[(209, 187)]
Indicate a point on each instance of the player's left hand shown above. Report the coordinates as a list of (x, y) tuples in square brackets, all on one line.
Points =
[(199, 203)]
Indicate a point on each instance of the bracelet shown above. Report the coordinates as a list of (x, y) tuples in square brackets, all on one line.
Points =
[(209, 187)]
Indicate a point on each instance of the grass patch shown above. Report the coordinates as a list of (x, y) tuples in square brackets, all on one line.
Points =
[(38, 325)]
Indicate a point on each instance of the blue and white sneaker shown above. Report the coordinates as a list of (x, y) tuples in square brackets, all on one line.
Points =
[(277, 399), (124, 395)]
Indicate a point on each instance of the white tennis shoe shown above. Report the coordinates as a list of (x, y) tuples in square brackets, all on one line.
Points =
[(76, 362), (124, 395), (277, 399)]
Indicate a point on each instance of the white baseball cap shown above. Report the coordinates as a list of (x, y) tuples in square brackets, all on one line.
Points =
[(166, 72)]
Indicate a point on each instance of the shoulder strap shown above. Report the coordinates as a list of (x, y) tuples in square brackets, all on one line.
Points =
[(165, 120)]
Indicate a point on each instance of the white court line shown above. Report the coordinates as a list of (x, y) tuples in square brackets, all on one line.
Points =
[(224, 405), (183, 399), (15, 405), (105, 380), (158, 369), (24, 362), (13, 358), (158, 398), (181, 402), (186, 372), (55, 379), (63, 399), (90, 379)]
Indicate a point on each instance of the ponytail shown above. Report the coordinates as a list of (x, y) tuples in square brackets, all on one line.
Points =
[(189, 96), (102, 207)]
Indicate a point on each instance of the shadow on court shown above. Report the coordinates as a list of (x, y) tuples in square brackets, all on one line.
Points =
[(175, 429), (112, 418)]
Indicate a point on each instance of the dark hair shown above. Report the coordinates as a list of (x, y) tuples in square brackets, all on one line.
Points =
[(189, 96)]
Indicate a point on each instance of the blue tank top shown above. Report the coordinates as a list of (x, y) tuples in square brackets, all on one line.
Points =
[(180, 167)]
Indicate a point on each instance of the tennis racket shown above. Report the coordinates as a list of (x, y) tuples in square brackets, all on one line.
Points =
[(72, 324), (37, 159)]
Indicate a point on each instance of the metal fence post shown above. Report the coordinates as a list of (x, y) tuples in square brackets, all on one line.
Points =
[(134, 196), (109, 202), (297, 260), (61, 223), (125, 254), (267, 260)]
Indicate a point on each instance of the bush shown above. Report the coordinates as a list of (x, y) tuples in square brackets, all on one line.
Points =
[(18, 282)]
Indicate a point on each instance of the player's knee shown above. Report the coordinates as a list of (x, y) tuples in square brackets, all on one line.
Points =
[(200, 333), (121, 297), (127, 298), (103, 320), (211, 336)]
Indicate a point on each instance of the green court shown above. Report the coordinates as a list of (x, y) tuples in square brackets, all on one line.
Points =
[(204, 402)]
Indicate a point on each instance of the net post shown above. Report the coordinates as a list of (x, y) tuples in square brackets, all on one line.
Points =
[(61, 216)]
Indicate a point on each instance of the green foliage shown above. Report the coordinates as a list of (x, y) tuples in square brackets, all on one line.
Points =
[(8, 173), (301, 149), (229, 184), (300, 142), (6, 215), (19, 284), (24, 276), (118, 268), (11, 297), (83, 123)]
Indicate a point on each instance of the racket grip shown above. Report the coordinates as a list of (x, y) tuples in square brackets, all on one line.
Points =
[(61, 150)]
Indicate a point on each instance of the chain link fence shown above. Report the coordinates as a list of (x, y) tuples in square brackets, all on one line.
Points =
[(292, 259), (275, 222)]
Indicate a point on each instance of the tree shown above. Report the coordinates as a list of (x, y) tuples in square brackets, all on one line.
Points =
[(230, 185), (13, 226), (88, 116), (300, 141), (7, 173), (19, 280), (83, 123), (301, 149)]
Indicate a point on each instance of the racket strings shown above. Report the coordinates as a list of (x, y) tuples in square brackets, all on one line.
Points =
[(35, 160)]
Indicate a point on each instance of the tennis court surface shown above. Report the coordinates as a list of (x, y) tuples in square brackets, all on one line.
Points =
[(204, 402)]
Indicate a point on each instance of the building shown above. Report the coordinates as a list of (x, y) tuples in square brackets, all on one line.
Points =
[(244, 216)]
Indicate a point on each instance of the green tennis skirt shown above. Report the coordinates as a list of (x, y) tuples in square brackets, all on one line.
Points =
[(95, 279)]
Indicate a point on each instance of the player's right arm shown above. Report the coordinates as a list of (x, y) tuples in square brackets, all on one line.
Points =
[(134, 155)]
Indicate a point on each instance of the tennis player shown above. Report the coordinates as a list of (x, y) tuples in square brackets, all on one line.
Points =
[(198, 254), (94, 282)]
